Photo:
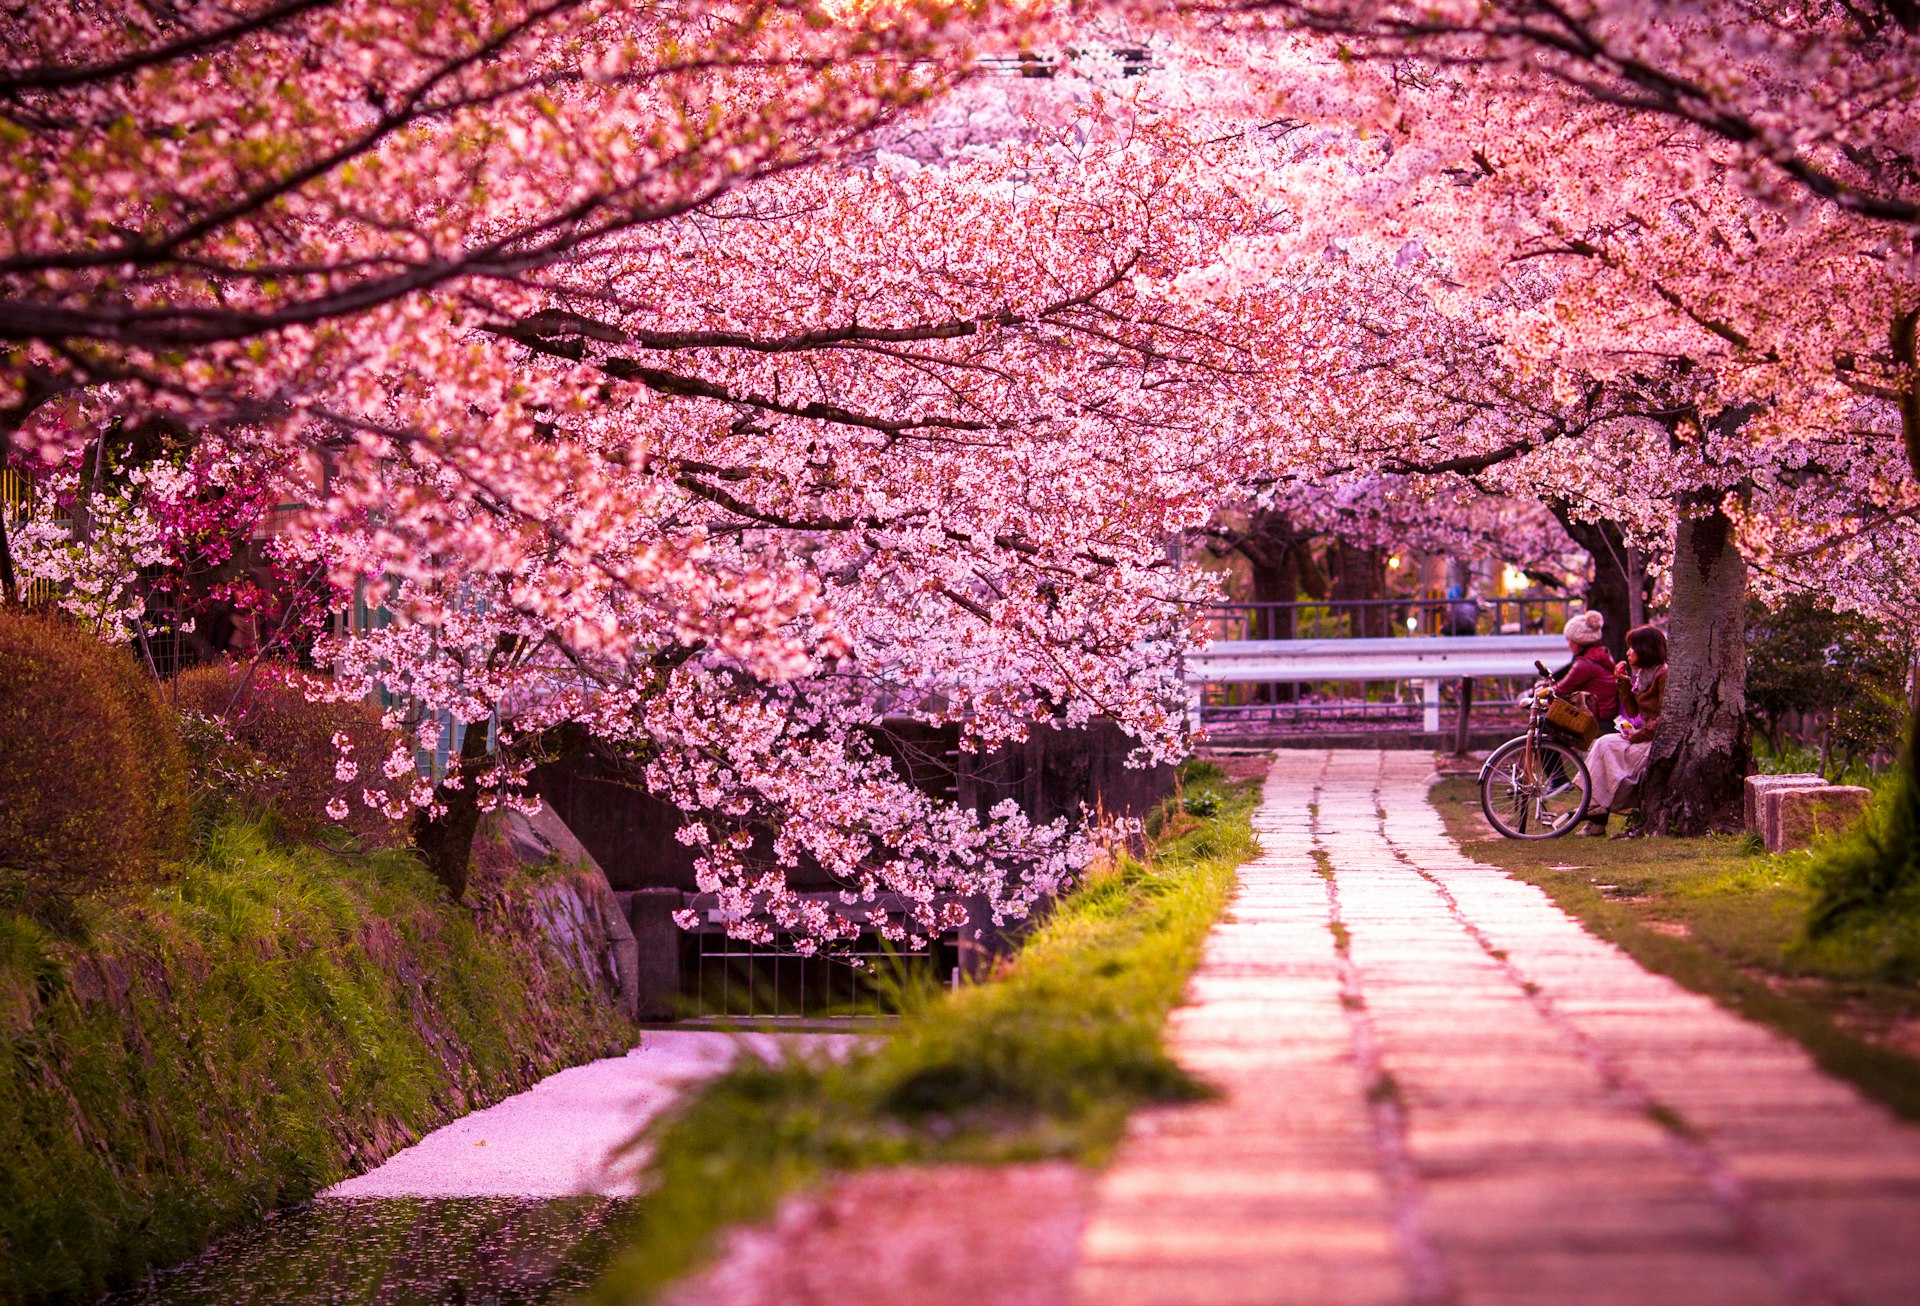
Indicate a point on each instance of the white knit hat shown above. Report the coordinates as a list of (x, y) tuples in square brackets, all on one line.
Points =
[(1585, 628)]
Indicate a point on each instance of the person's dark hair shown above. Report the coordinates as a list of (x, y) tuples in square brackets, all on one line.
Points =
[(1650, 642)]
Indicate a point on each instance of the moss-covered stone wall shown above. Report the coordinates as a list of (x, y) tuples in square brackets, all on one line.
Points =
[(198, 1054)]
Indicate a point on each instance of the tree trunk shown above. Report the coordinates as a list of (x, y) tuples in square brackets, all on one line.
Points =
[(1636, 587), (1611, 591), (1360, 573), (445, 842), (1272, 549), (9, 584), (1700, 756), (1276, 579)]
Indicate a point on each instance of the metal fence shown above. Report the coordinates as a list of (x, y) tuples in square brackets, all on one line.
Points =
[(1356, 704), (1228, 711), (1387, 618), (724, 976), (16, 505)]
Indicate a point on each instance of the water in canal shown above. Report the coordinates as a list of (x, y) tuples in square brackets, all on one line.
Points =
[(410, 1251)]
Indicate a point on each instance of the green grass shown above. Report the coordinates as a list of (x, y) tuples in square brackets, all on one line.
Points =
[(1732, 923), (1790, 759), (1045, 1060), (211, 1049)]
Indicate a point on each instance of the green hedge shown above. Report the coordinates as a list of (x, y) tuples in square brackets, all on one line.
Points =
[(234, 1041), (93, 785)]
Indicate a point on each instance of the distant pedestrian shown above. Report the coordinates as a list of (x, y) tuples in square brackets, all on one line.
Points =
[(1463, 611)]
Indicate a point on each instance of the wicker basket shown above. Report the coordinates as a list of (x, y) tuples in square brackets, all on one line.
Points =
[(1572, 719)]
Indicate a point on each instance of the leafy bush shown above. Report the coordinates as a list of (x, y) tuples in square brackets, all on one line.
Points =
[(92, 787), (261, 745), (1804, 658), (162, 753), (1875, 866)]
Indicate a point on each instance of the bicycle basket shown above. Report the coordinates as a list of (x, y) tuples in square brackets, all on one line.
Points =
[(1573, 720)]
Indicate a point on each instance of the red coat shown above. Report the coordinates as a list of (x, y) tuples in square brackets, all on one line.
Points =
[(1592, 671)]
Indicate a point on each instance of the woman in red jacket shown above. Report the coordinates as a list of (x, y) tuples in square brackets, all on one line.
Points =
[(1592, 669)]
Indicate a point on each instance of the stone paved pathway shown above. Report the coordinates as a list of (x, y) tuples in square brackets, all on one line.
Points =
[(1438, 1089)]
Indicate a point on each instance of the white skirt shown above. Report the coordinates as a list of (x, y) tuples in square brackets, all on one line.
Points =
[(1612, 762)]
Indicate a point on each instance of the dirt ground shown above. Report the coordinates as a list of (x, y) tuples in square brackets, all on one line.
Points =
[(939, 1236), (1239, 763)]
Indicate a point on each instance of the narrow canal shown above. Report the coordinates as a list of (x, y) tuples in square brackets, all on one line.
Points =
[(401, 1251)]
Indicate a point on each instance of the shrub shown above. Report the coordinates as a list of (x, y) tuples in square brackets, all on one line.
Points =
[(261, 744), (1805, 660), (1875, 866), (88, 751), (162, 755)]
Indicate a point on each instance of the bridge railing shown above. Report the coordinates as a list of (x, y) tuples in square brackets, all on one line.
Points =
[(1293, 685), (1388, 618)]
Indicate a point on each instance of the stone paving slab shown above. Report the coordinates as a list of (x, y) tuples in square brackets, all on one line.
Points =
[(1439, 1089)]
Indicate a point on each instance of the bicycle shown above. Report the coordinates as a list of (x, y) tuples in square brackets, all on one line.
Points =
[(1537, 786)]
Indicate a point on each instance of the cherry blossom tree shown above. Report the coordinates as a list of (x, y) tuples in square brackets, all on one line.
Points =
[(701, 378), (945, 475), (1748, 289)]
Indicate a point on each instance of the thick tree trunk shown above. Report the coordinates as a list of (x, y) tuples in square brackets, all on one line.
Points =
[(1360, 573), (1272, 548), (1701, 753), (1905, 339), (1276, 579), (445, 842)]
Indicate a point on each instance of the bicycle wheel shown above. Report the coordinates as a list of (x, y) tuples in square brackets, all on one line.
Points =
[(1537, 792)]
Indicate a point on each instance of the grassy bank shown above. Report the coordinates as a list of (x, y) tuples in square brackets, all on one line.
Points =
[(1046, 1060), (1731, 923), (201, 1053)]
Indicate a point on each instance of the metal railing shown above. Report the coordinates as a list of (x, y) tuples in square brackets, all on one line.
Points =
[(1243, 710), (1306, 667), (1129, 60), (16, 504), (1388, 618), (724, 976)]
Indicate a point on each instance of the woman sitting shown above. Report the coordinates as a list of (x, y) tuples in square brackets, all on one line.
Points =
[(1615, 761), (1592, 669)]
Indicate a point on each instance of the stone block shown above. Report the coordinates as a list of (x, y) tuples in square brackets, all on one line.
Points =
[(1794, 818), (657, 942), (1758, 786)]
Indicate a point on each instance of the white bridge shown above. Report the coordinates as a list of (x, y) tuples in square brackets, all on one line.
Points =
[(1428, 659)]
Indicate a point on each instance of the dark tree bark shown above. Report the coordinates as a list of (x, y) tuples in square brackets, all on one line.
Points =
[(1610, 593), (1904, 336), (445, 842), (1360, 574), (1272, 546), (1702, 750), (9, 585), (1279, 560)]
